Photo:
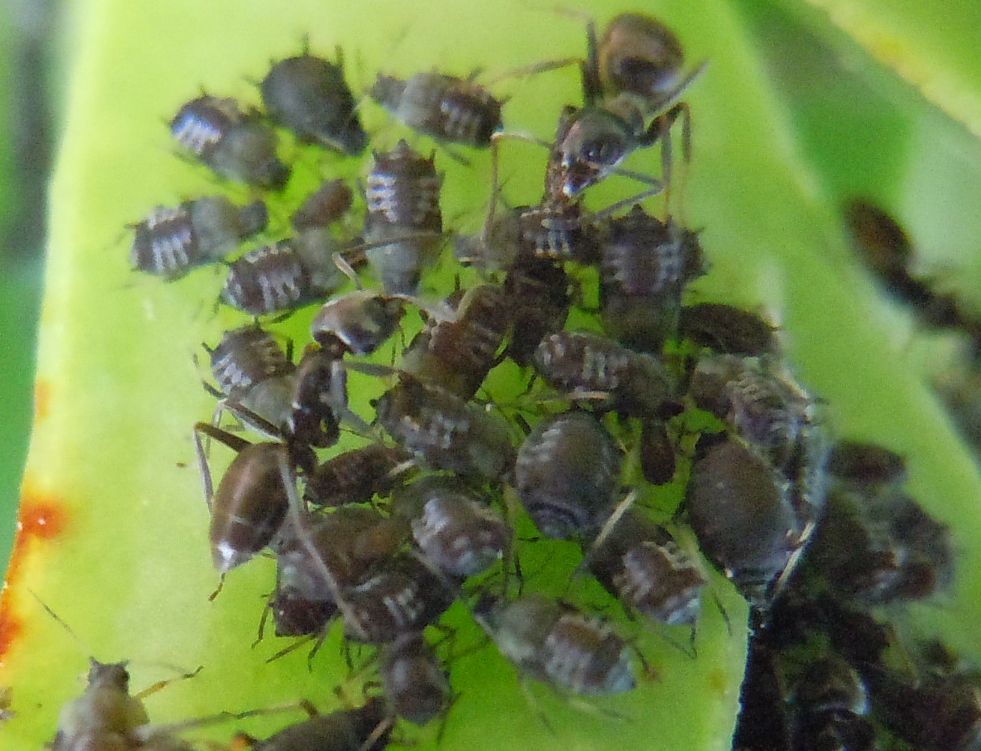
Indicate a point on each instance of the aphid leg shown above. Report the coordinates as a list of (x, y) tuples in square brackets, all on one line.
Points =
[(154, 687), (290, 648), (263, 618), (233, 442), (348, 270)]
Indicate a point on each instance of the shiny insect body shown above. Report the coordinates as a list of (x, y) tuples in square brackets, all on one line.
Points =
[(251, 502), (458, 353), (284, 276), (566, 474), (600, 369), (366, 728), (552, 642), (234, 144), (404, 222), (171, 241), (453, 528), (443, 431), (415, 684), (309, 95), (324, 206), (355, 476), (742, 511), (448, 108), (641, 565), (644, 267)]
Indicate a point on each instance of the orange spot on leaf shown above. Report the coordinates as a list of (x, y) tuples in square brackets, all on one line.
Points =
[(42, 399), (39, 520)]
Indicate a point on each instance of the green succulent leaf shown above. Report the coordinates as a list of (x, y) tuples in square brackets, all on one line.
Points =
[(112, 521)]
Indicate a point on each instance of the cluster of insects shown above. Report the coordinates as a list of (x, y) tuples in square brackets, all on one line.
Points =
[(382, 516)]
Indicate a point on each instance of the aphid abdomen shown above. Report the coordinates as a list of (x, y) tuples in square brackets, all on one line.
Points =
[(557, 230), (401, 596), (459, 535), (358, 322), (727, 330), (249, 506), (537, 291), (267, 280), (640, 55), (164, 243), (344, 730), (245, 357), (324, 206), (201, 124), (319, 392), (584, 656), (660, 581), (415, 684), (353, 476), (566, 473), (309, 95), (404, 218)]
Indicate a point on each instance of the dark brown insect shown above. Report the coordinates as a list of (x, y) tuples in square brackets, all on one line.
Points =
[(557, 229), (458, 353), (538, 292), (234, 144), (555, 643), (451, 109), (244, 358), (658, 458), (595, 367), (444, 431), (742, 512), (404, 223), (639, 563), (251, 501), (309, 95), (355, 476), (366, 728), (358, 322), (829, 701), (457, 533), (324, 206), (415, 684), (402, 595), (866, 465), (644, 267), (727, 330), (171, 241), (566, 474), (283, 276)]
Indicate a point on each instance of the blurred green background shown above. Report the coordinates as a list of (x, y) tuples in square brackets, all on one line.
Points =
[(26, 132)]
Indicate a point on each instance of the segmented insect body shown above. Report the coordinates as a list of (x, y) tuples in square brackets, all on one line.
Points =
[(727, 330), (296, 615), (169, 242), (319, 391), (234, 144), (579, 362), (829, 700), (445, 432), (415, 684), (402, 595), (309, 95), (644, 267), (366, 728), (456, 531), (324, 206), (742, 511), (445, 107), (559, 231), (640, 564), (244, 358), (358, 322), (457, 354), (105, 716), (865, 465), (566, 474), (355, 476), (404, 221), (658, 459), (555, 643), (496, 247), (538, 292), (285, 275)]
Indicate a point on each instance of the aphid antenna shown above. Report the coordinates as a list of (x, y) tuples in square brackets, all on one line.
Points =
[(144, 734), (61, 622)]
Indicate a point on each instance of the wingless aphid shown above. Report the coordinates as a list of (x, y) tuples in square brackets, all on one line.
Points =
[(366, 728), (416, 685), (171, 241), (234, 144), (324, 206), (309, 95)]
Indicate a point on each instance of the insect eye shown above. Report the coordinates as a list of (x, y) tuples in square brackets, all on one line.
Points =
[(601, 151)]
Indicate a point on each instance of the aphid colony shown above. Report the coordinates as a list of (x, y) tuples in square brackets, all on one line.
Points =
[(422, 513)]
